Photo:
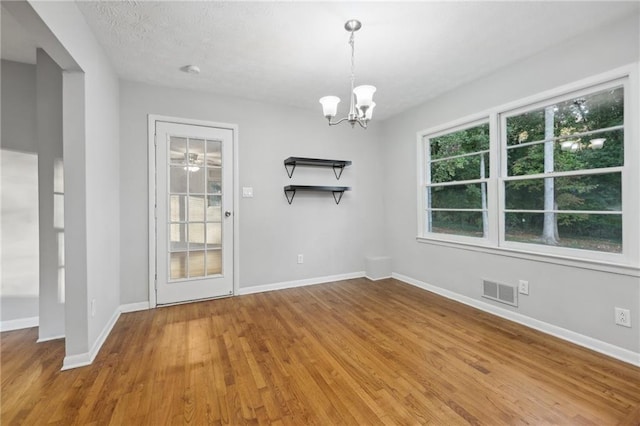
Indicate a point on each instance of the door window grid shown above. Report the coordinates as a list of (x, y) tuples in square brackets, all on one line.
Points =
[(195, 207)]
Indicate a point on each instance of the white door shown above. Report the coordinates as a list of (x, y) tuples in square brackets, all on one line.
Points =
[(194, 220)]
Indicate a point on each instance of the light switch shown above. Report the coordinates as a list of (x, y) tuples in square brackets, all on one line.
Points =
[(247, 192)]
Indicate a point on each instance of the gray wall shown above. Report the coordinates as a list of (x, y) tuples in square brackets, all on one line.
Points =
[(333, 238), (575, 299), (19, 107), (49, 135), (20, 278), (91, 147)]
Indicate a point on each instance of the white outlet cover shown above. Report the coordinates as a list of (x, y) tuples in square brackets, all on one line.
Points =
[(523, 287), (623, 317)]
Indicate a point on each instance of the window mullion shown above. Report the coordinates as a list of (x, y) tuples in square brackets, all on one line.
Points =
[(427, 220), (580, 172), (453, 157), (500, 152), (457, 182)]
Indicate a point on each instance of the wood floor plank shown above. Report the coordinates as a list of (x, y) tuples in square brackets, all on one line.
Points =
[(354, 352)]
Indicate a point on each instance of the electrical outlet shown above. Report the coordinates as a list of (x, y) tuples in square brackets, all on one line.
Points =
[(523, 287), (93, 307), (623, 317), (300, 258)]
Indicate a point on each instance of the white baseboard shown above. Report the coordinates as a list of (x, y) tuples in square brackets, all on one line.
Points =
[(18, 324), (50, 338), (80, 360), (605, 348), (298, 283), (379, 278), (134, 307)]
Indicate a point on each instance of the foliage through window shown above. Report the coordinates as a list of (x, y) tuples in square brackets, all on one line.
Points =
[(456, 181), (563, 178), (555, 184)]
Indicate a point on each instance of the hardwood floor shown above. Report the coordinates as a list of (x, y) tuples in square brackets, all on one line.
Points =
[(352, 352)]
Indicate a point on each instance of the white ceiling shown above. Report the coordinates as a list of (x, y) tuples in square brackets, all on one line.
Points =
[(295, 52)]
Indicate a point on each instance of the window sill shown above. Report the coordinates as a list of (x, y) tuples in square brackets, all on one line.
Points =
[(614, 268)]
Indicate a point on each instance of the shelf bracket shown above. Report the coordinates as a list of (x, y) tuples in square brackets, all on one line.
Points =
[(337, 170), (290, 173), (338, 197), (293, 193)]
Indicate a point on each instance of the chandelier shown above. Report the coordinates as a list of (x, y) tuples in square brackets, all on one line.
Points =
[(362, 104), (191, 162)]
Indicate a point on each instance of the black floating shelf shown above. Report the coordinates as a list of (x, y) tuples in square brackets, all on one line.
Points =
[(337, 165), (337, 191)]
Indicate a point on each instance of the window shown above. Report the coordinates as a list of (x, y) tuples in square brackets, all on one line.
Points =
[(563, 177), (456, 175), (555, 175)]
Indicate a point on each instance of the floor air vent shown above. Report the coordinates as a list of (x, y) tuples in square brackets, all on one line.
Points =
[(500, 292)]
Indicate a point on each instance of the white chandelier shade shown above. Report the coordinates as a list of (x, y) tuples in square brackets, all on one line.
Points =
[(369, 112), (361, 102), (364, 96), (330, 106)]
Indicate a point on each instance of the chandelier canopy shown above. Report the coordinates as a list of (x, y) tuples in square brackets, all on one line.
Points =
[(361, 106)]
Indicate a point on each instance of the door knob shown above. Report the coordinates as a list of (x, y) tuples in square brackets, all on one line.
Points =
[(227, 213)]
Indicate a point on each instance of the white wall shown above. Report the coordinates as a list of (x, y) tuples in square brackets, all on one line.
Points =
[(19, 263), (49, 134), (576, 299), (333, 238)]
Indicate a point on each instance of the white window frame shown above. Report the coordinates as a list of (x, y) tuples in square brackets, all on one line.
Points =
[(627, 262), (503, 178), (424, 178)]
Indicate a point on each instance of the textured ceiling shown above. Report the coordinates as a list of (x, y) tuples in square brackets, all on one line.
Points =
[(295, 52)]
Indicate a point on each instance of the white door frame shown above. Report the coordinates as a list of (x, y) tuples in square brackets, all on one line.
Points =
[(152, 187)]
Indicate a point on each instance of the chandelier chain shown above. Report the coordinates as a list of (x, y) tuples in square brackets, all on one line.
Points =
[(353, 59)]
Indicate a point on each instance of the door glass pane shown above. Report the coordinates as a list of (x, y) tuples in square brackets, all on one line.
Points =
[(214, 180), (178, 208), (177, 237), (196, 208), (214, 208), (214, 235), (214, 262), (178, 180), (196, 181), (177, 150), (214, 153), (196, 263), (178, 265), (196, 146), (196, 236)]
